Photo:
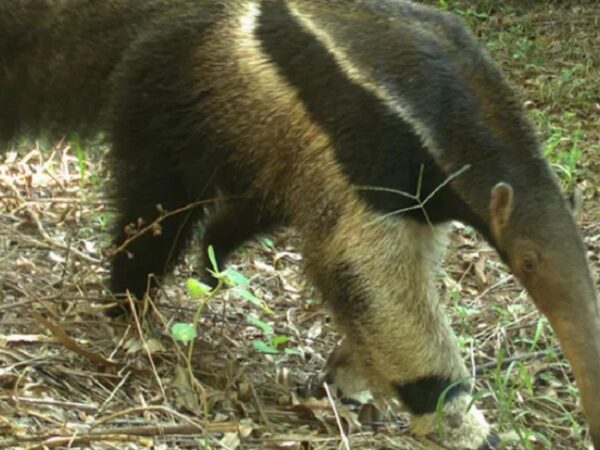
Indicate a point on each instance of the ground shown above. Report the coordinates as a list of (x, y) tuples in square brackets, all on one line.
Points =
[(70, 377)]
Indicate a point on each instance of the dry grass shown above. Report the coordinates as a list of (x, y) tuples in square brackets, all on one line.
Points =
[(69, 377)]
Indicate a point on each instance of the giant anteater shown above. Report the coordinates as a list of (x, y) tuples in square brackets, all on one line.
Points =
[(321, 115)]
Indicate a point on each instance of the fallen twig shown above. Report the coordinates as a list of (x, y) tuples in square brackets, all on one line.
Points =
[(510, 359), (345, 440)]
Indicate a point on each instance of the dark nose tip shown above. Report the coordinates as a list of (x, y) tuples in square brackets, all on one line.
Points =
[(492, 442)]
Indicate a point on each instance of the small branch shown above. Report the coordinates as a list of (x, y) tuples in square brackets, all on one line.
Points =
[(153, 224), (50, 402), (113, 393), (452, 176), (261, 410), (136, 320), (125, 434), (510, 359), (345, 440), (145, 409), (417, 198)]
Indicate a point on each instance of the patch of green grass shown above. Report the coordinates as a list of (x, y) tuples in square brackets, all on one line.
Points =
[(531, 406), (555, 71), (562, 148), (88, 154)]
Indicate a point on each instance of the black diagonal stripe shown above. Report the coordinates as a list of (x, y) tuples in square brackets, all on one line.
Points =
[(373, 145)]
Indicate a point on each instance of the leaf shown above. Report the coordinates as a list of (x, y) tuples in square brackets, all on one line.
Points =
[(276, 341), (235, 278), (196, 289), (263, 347), (244, 293), (255, 321), (183, 332), (213, 258), (267, 243), (293, 351)]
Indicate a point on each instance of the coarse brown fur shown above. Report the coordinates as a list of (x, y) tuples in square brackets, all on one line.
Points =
[(254, 104)]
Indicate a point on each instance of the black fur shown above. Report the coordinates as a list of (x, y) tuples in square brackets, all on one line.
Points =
[(422, 396), (158, 153)]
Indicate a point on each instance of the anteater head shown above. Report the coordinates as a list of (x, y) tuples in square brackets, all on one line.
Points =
[(533, 229)]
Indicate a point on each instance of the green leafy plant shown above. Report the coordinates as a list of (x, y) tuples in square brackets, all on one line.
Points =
[(81, 159), (204, 445), (564, 154), (272, 343), (186, 332), (227, 279), (183, 332)]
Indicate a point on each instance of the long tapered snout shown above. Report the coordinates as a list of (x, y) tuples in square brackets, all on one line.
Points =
[(547, 254), (569, 301)]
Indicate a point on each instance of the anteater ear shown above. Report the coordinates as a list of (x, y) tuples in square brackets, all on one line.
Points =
[(501, 206)]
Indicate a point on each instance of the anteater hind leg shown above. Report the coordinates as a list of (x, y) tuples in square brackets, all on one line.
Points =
[(379, 279), (235, 222), (149, 195), (161, 158)]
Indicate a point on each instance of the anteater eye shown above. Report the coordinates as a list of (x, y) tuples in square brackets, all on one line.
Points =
[(529, 262)]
